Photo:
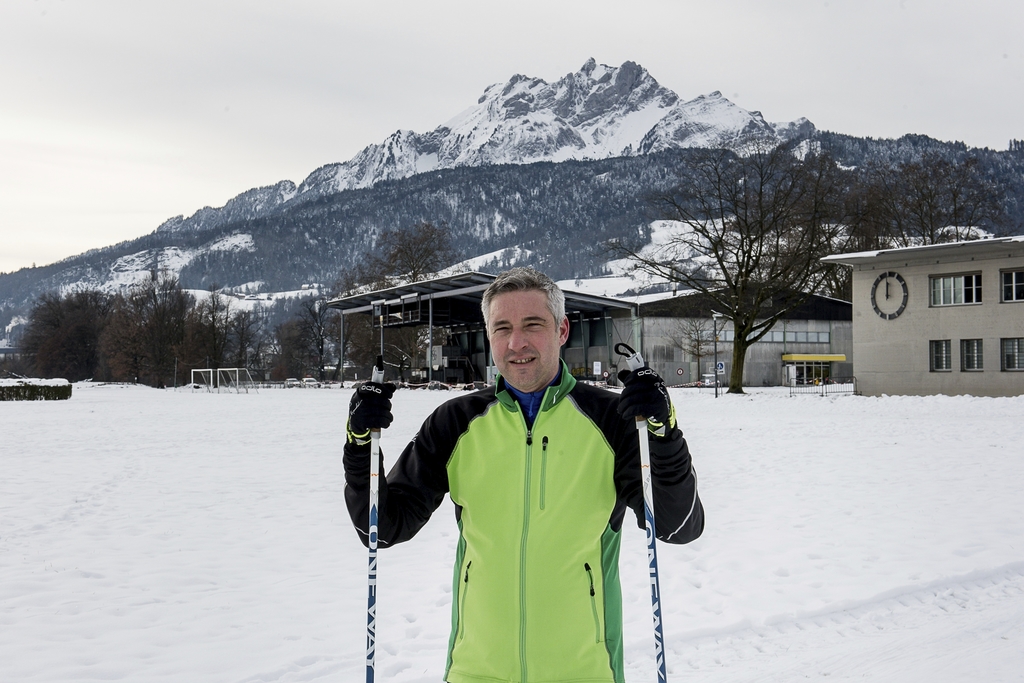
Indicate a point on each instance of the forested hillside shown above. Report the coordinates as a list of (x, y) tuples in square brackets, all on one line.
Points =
[(562, 212)]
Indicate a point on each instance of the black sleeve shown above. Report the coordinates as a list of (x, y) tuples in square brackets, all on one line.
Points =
[(415, 486), (678, 512)]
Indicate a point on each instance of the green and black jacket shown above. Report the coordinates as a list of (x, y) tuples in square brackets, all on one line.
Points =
[(536, 595)]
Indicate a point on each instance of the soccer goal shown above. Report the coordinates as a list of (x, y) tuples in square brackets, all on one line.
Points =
[(226, 379)]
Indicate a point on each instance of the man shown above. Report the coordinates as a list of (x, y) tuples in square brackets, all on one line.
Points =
[(541, 470)]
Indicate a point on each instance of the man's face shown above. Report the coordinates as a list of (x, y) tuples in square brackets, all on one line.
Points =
[(525, 339)]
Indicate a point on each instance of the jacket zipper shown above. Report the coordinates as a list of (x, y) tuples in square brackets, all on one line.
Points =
[(462, 601), (543, 470), (522, 556), (593, 603)]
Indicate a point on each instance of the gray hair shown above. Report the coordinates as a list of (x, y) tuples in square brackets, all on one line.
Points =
[(524, 280)]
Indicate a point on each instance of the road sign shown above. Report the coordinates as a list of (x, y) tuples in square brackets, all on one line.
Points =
[(720, 368), (679, 371)]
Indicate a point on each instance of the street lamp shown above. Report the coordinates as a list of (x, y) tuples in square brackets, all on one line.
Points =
[(715, 315)]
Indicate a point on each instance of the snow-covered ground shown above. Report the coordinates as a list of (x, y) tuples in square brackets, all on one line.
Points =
[(149, 535)]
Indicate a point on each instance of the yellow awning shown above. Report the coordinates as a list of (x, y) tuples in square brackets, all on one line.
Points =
[(820, 357)]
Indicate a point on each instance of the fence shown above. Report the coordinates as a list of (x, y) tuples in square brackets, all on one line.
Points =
[(826, 387)]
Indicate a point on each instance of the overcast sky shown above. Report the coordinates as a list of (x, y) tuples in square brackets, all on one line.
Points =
[(118, 114)]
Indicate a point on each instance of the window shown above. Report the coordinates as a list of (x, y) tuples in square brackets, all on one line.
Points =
[(954, 290), (575, 335), (971, 355), (811, 372), (778, 336), (940, 355), (1013, 285), (1013, 353), (663, 354)]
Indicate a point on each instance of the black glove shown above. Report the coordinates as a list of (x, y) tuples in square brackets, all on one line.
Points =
[(370, 408), (645, 395)]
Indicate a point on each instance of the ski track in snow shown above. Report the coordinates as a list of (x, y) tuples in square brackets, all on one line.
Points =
[(158, 536), (948, 631)]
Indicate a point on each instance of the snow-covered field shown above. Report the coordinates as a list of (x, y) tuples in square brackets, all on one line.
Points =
[(150, 535)]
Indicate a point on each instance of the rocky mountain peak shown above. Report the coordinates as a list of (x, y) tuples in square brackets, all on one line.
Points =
[(598, 112)]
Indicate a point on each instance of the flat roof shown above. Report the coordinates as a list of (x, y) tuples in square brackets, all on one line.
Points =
[(466, 287), (925, 250)]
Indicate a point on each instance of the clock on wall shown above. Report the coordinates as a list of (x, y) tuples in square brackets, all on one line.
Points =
[(889, 295)]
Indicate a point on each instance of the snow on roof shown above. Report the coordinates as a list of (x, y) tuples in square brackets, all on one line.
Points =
[(615, 287), (864, 255)]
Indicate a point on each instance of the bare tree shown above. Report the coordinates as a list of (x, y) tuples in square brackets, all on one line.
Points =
[(146, 324), (207, 333), (64, 332), (408, 255), (313, 319), (399, 256), (753, 229), (930, 201), (694, 337), (247, 333), (292, 350), (123, 342)]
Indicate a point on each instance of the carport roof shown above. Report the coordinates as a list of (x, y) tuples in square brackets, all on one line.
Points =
[(468, 287)]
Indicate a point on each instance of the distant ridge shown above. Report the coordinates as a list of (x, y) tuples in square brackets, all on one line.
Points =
[(599, 112), (534, 173)]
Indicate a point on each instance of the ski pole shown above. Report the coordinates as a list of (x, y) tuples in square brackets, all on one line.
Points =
[(634, 361), (371, 599)]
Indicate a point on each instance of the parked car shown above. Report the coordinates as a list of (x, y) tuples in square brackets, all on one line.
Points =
[(310, 382), (292, 382)]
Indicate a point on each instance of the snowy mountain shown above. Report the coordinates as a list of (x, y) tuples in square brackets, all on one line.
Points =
[(534, 173), (246, 206), (599, 112), (134, 268)]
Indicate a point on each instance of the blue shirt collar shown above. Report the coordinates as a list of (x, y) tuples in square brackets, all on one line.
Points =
[(530, 401)]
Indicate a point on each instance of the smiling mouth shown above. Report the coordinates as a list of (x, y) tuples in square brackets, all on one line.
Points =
[(521, 361)]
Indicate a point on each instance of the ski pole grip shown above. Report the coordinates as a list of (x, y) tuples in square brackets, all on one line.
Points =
[(634, 361), (377, 377), (378, 370)]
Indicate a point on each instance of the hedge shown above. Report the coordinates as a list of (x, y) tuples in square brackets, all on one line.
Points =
[(33, 392)]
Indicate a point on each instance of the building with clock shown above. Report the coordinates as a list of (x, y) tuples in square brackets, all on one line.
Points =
[(939, 319)]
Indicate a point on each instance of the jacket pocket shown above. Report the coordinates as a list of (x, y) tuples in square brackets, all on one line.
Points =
[(593, 603), (462, 600), (543, 471)]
